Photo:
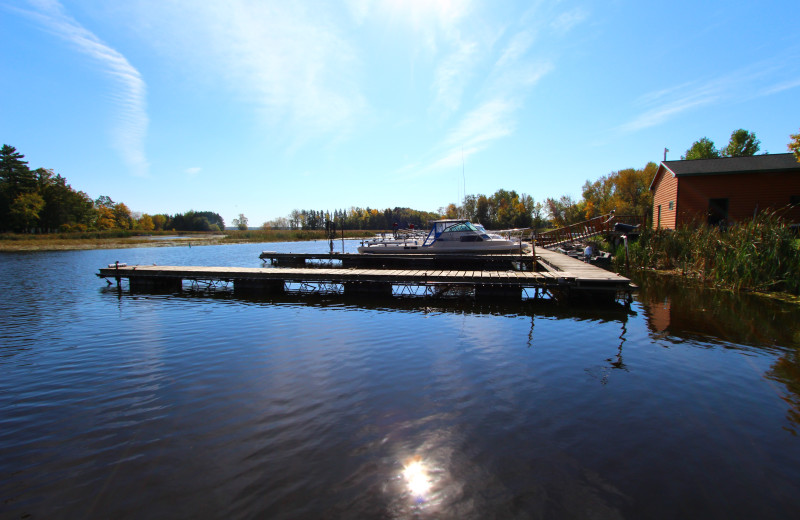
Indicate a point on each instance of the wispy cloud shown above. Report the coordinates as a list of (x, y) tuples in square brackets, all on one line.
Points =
[(129, 93), (780, 87), (291, 61), (451, 76), (666, 104), (737, 86), (566, 21), (489, 122), (193, 171), (512, 70)]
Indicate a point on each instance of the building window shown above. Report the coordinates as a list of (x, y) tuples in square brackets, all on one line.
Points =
[(671, 205)]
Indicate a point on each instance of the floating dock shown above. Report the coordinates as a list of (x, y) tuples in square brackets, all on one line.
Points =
[(497, 261), (552, 275)]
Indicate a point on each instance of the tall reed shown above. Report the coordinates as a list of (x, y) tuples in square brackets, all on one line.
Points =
[(761, 254)]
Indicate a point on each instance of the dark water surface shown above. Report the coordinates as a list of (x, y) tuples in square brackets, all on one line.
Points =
[(119, 405)]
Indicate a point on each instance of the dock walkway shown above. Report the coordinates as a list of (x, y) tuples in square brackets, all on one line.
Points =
[(557, 275)]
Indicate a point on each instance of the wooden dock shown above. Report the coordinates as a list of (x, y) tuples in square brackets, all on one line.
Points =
[(556, 276), (497, 261)]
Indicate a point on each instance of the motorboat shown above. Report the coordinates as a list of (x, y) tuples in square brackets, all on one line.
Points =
[(445, 236)]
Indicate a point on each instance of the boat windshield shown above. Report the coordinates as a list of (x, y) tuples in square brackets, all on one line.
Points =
[(460, 227)]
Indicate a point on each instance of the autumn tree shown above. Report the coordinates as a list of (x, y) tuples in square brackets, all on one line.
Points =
[(145, 223), (24, 211), (625, 191), (794, 145), (564, 211)]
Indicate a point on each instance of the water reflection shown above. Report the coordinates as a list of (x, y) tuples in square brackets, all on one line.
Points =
[(787, 371), (333, 407), (679, 312)]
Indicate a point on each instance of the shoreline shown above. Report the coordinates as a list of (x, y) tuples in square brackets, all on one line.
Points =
[(79, 244)]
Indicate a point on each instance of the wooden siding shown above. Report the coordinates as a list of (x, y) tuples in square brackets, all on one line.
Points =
[(747, 193), (665, 190)]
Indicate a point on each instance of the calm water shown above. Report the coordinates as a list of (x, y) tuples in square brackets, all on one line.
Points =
[(115, 405)]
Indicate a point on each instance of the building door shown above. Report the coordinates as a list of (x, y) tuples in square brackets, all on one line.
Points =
[(717, 211)]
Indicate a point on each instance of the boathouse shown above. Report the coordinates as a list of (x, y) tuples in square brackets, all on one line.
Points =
[(727, 189)]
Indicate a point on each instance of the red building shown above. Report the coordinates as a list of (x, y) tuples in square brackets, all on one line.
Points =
[(729, 189)]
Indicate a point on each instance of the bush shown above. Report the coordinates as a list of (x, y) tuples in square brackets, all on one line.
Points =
[(760, 254)]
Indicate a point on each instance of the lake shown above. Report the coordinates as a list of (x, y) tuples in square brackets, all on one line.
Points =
[(200, 405)]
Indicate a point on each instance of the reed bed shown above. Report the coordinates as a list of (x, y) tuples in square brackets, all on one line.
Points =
[(117, 238), (757, 255)]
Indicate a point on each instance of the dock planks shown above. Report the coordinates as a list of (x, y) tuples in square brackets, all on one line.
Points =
[(559, 275)]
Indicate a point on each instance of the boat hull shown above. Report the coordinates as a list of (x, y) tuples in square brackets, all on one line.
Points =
[(504, 247)]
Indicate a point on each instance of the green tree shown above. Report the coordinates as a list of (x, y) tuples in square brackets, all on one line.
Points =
[(25, 211), (701, 149), (160, 221), (241, 222), (794, 145), (741, 144), (14, 172), (15, 178)]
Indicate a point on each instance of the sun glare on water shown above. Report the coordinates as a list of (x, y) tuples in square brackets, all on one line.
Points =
[(416, 476)]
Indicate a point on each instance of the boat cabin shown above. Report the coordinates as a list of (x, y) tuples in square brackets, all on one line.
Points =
[(454, 230)]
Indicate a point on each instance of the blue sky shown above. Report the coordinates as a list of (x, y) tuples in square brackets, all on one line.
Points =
[(261, 107)]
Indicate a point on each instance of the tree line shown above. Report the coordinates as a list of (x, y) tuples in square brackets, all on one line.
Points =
[(41, 201), (626, 192), (353, 218)]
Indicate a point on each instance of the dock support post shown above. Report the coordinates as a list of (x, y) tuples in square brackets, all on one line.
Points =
[(165, 284), (368, 288), (497, 292), (255, 287)]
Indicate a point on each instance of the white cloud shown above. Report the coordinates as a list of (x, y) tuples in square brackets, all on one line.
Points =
[(671, 103), (566, 21), (489, 122), (129, 89), (192, 171), (451, 76), (291, 61), (780, 87), (735, 87)]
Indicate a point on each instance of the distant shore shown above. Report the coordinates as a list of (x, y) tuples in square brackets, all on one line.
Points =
[(74, 242)]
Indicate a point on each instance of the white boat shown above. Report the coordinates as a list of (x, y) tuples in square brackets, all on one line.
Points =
[(445, 236)]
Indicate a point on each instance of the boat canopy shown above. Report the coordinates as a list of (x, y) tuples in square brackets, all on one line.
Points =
[(445, 230)]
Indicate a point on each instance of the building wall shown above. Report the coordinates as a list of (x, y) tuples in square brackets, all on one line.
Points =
[(665, 191), (746, 194)]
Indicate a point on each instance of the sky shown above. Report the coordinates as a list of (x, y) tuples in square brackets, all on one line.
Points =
[(262, 107)]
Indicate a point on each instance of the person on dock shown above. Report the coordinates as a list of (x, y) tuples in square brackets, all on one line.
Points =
[(587, 253)]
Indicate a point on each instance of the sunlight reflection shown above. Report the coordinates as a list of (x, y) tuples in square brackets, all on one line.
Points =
[(416, 475)]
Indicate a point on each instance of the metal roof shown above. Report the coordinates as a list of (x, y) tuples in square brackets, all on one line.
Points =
[(767, 163), (752, 164)]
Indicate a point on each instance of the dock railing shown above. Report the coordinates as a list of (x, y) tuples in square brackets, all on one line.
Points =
[(603, 224)]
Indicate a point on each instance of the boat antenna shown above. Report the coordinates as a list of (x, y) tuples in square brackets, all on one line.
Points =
[(463, 177)]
